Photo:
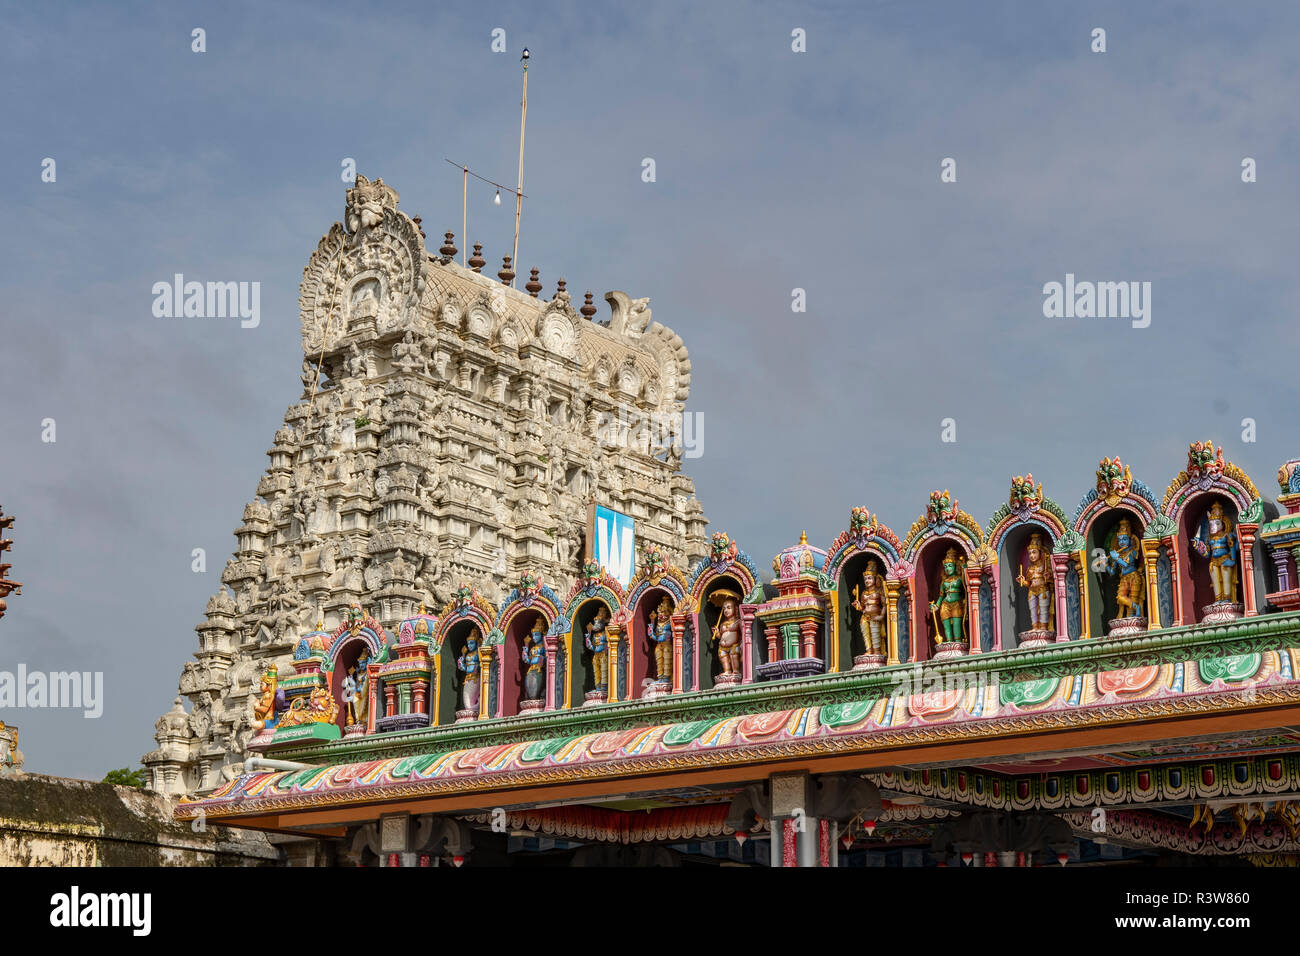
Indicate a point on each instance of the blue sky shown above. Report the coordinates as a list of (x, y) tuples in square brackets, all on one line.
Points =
[(775, 170)]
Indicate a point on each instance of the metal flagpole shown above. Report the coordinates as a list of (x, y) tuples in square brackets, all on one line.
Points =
[(464, 217), (519, 190)]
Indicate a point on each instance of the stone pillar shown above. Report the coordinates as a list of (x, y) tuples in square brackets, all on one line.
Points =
[(773, 635), (552, 662), (973, 574), (390, 700), (1150, 563), (1182, 615), (372, 691), (808, 638), (615, 659), (1282, 563), (1061, 568), (799, 839), (995, 582), (747, 642), (1246, 538), (679, 642)]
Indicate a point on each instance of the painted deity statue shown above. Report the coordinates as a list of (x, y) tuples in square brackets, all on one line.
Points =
[(468, 662), (870, 601), (726, 633), (597, 641), (1216, 540), (534, 656), (949, 625), (318, 707), (1036, 575), (661, 635), (1124, 557), (356, 691), (264, 709)]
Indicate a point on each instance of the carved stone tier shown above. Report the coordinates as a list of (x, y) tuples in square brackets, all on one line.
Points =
[(465, 716), (1126, 626), (792, 667), (1221, 611), (354, 730), (726, 680), (449, 428), (532, 706), (594, 697), (868, 662), (1036, 637), (949, 649)]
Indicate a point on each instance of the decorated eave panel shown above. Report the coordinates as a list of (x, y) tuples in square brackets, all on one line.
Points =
[(1114, 708)]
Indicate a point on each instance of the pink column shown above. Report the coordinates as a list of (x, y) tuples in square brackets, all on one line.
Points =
[(679, 641), (372, 683), (1246, 539), (747, 643), (1182, 613), (995, 587), (1061, 568), (808, 634), (552, 660), (973, 607)]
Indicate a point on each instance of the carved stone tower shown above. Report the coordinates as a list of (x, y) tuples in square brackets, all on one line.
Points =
[(450, 429)]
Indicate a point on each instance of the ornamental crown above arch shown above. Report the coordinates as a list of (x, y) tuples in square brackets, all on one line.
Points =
[(595, 582), (357, 624), (1207, 470), (942, 516), (864, 533), (1115, 488), (529, 592), (466, 604), (655, 570), (724, 557), (1026, 504)]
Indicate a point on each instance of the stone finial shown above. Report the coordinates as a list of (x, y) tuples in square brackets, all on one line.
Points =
[(588, 307), (417, 220), (533, 285), (559, 287), (476, 261), (448, 246), (507, 273)]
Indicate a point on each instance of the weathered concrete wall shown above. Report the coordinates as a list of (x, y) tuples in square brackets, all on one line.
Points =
[(58, 821)]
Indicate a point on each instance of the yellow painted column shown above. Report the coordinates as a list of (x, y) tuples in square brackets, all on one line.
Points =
[(615, 659), (1085, 595), (484, 675), (891, 601), (1150, 557)]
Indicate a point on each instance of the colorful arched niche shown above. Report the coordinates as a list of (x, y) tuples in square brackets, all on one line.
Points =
[(358, 634), (943, 525), (1117, 495), (725, 567), (529, 599), (654, 580), (1028, 512), (467, 612), (595, 589), (1207, 480), (864, 541)]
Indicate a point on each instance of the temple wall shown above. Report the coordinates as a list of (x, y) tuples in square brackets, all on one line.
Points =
[(58, 821)]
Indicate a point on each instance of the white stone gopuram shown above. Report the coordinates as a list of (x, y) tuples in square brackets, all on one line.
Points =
[(448, 432)]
